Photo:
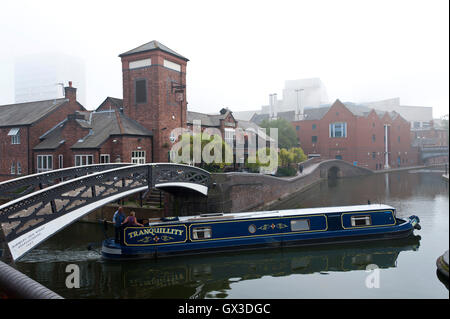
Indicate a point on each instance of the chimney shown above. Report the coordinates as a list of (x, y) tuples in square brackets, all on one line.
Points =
[(70, 92)]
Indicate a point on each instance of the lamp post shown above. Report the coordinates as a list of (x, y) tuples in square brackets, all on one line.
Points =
[(386, 148)]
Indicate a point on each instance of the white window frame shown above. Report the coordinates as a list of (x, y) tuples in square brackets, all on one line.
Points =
[(229, 136), (15, 135), (83, 159), (342, 130), (61, 161), (48, 163), (138, 157), (19, 168), (300, 225), (13, 169), (103, 157), (206, 233), (366, 218)]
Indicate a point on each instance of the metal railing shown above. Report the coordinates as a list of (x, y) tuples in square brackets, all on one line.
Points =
[(21, 186), (17, 285), (61, 204)]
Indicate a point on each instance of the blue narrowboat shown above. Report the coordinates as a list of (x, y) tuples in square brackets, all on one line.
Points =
[(237, 231)]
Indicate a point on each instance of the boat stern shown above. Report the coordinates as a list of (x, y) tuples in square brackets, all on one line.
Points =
[(111, 250)]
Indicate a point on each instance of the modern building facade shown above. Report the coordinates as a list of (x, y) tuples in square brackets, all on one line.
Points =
[(420, 117), (297, 95), (40, 77)]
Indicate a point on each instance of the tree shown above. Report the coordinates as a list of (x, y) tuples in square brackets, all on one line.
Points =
[(287, 138), (209, 145), (299, 155)]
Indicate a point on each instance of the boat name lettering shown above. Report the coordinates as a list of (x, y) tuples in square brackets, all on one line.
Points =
[(155, 230)]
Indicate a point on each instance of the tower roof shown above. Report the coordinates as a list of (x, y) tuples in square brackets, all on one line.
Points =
[(150, 46)]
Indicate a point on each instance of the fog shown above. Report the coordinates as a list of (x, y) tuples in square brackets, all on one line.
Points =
[(242, 51)]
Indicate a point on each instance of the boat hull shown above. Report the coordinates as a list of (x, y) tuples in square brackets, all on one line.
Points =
[(190, 246)]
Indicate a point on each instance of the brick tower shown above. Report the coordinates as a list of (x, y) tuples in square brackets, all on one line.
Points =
[(154, 92)]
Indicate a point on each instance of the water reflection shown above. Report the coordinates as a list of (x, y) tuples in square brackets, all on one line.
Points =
[(377, 188), (198, 276), (229, 275)]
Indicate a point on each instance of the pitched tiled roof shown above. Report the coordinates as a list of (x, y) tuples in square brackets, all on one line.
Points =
[(317, 113), (206, 119), (150, 46), (259, 118), (101, 126), (115, 102), (27, 113)]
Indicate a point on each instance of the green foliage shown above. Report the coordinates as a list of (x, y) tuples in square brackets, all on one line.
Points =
[(265, 157), (287, 138), (286, 171), (292, 156), (208, 146)]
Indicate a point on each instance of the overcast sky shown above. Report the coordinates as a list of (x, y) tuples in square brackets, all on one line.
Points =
[(242, 51)]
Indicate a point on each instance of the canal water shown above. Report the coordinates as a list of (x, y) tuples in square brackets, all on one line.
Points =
[(394, 269)]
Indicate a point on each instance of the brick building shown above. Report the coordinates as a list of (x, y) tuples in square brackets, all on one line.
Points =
[(22, 124), (86, 138), (357, 134), (154, 92), (45, 135)]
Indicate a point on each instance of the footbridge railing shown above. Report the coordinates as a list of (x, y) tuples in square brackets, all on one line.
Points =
[(31, 219), (21, 186)]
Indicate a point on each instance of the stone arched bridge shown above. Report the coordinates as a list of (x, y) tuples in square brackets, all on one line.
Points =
[(235, 192)]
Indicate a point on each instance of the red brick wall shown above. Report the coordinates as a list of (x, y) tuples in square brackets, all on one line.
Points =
[(364, 143), (162, 113), (13, 153), (29, 138)]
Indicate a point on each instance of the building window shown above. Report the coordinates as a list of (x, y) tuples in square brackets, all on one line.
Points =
[(314, 126), (398, 139), (373, 138), (138, 157), (201, 233), (13, 169), (374, 155), (19, 169), (300, 225), (297, 128), (229, 136), (81, 160), (61, 161), (105, 158), (15, 135), (338, 130), (314, 139), (360, 220), (44, 163), (140, 87)]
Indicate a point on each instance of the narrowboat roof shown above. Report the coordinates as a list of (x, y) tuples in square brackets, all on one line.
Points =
[(283, 213)]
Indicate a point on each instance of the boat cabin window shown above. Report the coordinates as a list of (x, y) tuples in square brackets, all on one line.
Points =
[(300, 224), (201, 233), (361, 221)]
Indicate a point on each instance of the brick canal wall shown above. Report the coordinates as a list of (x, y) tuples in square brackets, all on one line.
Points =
[(237, 192)]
